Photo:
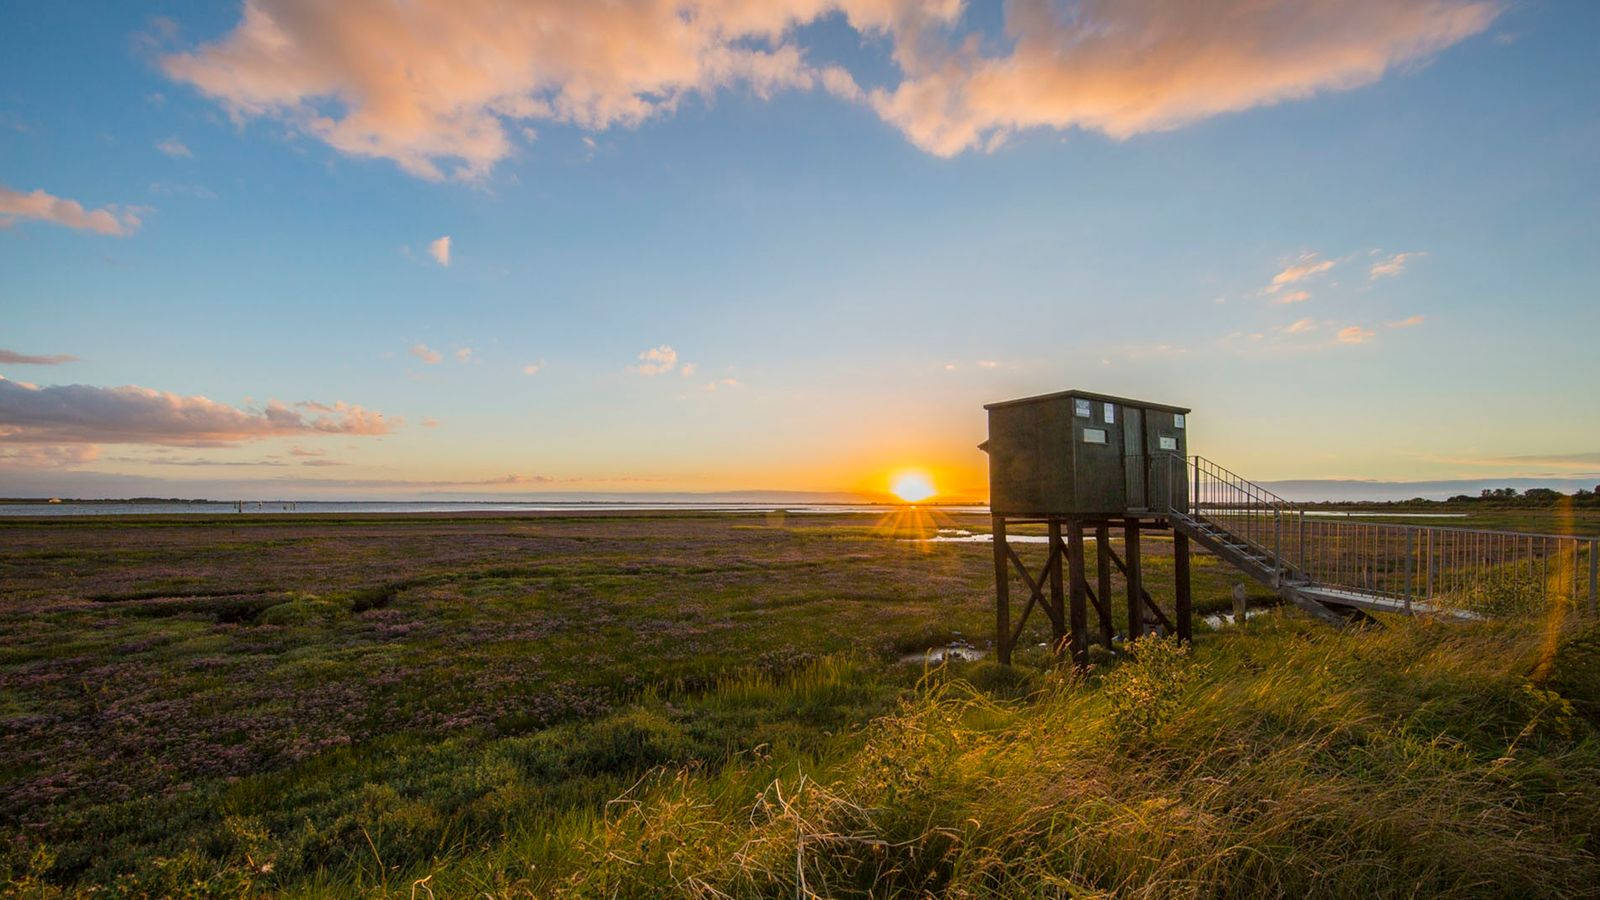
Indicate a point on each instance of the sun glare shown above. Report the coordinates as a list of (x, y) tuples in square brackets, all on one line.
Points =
[(912, 487)]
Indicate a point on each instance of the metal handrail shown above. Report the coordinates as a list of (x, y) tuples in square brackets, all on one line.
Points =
[(1473, 569)]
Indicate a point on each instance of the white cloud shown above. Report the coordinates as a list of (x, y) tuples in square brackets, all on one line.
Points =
[(174, 148), (433, 84), (440, 250), (1392, 266), (422, 352), (44, 207), (656, 361)]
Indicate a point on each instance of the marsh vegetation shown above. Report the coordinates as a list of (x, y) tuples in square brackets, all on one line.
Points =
[(648, 704)]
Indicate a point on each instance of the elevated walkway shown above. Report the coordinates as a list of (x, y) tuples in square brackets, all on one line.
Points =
[(1330, 568)]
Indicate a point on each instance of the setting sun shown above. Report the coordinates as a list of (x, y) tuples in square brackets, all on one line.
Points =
[(912, 487)]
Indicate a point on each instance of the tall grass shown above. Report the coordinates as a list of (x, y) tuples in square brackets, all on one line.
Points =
[(1280, 759)]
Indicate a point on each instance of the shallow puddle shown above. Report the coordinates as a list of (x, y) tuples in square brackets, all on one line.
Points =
[(958, 650), (1224, 620), (960, 536)]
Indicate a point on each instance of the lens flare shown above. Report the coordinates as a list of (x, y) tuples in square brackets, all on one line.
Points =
[(912, 487)]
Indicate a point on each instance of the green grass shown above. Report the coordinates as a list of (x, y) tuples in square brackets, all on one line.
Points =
[(674, 705)]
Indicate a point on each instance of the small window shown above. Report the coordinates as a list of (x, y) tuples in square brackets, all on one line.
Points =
[(1168, 443), (1094, 435), (1082, 409), (1177, 420), (1111, 413)]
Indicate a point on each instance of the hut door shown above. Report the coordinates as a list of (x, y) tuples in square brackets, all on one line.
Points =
[(1133, 457)]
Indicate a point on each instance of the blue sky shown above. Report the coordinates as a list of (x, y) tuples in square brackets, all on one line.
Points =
[(850, 275)]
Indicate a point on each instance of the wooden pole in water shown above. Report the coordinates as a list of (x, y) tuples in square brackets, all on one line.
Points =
[(1130, 550), (1180, 572), (1102, 566), (1080, 602), (1002, 595)]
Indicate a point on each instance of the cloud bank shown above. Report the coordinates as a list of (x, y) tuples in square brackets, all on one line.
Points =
[(27, 359), (81, 413), (438, 86)]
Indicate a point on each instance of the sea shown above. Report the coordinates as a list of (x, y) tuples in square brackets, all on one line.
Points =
[(347, 507)]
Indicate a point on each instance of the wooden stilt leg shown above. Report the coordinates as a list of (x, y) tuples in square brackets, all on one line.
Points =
[(1102, 565), (1002, 595), (1130, 540), (1180, 569), (1057, 600), (1080, 602)]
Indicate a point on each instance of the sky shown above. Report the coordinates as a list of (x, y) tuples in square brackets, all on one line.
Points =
[(420, 248)]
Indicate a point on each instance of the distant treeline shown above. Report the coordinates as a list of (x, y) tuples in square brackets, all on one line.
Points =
[(1534, 497), (1489, 498)]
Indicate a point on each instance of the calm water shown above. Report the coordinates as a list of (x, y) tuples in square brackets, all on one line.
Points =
[(304, 507)]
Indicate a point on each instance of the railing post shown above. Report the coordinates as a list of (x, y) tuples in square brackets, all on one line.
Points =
[(1277, 547), (1305, 566), (1427, 554), (1194, 490), (1170, 479), (1411, 557)]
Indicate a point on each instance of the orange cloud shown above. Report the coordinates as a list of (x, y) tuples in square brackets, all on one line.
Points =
[(1306, 266), (657, 361), (433, 84), (1392, 266), (50, 208), (1354, 334), (81, 413), (440, 250), (1123, 67), (1407, 322), (1292, 297), (48, 456)]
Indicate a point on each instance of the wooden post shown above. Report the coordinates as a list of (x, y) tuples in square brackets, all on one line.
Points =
[(1080, 602), (1180, 572), (1130, 550), (1102, 566), (1057, 600), (1594, 577), (1002, 595)]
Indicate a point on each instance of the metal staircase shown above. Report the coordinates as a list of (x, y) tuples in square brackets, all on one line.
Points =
[(1325, 564)]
